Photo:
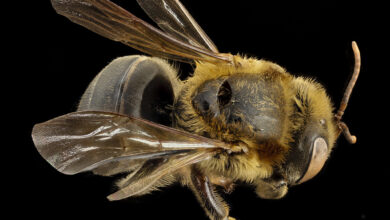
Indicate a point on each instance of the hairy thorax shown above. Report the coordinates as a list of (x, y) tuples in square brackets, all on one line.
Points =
[(246, 104)]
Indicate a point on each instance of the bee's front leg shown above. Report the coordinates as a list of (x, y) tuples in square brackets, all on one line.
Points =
[(212, 203), (226, 183), (239, 147)]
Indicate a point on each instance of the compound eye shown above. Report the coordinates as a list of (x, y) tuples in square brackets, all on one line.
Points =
[(318, 157)]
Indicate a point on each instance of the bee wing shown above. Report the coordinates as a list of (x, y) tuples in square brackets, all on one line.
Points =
[(147, 177), (83, 141), (172, 17), (111, 21)]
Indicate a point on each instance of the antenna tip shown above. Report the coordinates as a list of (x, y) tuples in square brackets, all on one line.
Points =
[(353, 139), (355, 47)]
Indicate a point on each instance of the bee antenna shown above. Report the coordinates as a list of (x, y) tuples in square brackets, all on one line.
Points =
[(344, 102)]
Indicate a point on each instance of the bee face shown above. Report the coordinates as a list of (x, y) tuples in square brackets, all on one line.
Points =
[(313, 132)]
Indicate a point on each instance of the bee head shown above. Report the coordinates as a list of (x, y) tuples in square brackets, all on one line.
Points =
[(312, 135), (316, 127), (313, 131)]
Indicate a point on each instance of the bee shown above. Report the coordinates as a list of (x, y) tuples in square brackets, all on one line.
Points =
[(236, 119)]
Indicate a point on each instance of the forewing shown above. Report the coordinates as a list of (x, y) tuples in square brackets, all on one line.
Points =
[(172, 17), (83, 141), (111, 21)]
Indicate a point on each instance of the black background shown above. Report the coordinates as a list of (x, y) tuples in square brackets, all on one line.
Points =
[(56, 59)]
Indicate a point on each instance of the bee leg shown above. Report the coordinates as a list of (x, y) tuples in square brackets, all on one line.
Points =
[(226, 183), (212, 203), (238, 148)]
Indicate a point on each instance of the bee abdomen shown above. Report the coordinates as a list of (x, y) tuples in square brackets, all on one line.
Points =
[(137, 86)]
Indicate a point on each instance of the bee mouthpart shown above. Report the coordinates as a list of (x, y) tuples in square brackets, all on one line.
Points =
[(344, 102)]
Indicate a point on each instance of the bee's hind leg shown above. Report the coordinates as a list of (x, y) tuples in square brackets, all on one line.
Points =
[(204, 190)]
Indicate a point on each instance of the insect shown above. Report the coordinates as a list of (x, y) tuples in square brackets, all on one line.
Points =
[(237, 119)]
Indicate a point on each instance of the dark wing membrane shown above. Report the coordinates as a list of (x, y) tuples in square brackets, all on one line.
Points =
[(174, 19), (83, 141), (113, 22)]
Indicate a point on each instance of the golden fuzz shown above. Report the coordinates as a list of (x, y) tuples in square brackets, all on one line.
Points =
[(244, 167), (309, 95), (312, 98)]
